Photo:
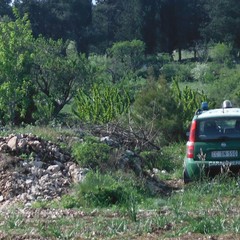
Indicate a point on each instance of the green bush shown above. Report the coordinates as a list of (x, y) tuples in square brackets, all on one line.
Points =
[(156, 159), (68, 201), (226, 87), (101, 104), (126, 56), (92, 153), (179, 70), (200, 71), (133, 85), (156, 116), (104, 190), (153, 65), (169, 158), (221, 53), (190, 100)]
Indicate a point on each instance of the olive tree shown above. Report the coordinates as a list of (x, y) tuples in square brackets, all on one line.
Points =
[(57, 73), (38, 76), (16, 57), (125, 57)]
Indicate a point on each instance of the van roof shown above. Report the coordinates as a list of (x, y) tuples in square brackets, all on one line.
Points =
[(220, 112)]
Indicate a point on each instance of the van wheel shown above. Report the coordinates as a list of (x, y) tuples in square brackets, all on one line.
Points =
[(186, 178)]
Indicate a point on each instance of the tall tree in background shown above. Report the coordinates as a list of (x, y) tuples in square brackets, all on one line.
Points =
[(5, 8), (180, 23), (59, 19), (74, 18), (223, 21), (151, 29), (118, 20), (164, 25), (129, 21), (103, 25)]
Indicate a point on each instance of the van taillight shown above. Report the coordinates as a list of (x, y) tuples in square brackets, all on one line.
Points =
[(192, 137), (190, 149)]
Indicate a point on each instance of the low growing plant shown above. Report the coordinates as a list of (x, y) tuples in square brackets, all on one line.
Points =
[(169, 158), (92, 153), (106, 190), (156, 159)]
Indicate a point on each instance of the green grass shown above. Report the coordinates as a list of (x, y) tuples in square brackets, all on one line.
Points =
[(206, 208)]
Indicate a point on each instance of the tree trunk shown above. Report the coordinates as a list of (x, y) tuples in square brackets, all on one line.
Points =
[(179, 54)]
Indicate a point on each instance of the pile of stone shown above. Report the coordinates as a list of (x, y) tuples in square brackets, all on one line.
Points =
[(33, 169)]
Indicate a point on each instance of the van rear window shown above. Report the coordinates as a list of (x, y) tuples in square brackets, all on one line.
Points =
[(217, 128)]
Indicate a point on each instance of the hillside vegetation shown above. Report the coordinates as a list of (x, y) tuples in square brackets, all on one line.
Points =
[(113, 101)]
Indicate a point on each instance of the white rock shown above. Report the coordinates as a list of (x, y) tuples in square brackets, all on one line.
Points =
[(38, 164), (58, 163), (53, 168), (12, 143), (29, 181)]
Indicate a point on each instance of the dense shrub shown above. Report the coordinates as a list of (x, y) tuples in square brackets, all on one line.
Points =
[(182, 71), (200, 72), (125, 57), (226, 87), (153, 65), (103, 190), (169, 158), (190, 100), (132, 83), (156, 159), (92, 153), (101, 104), (156, 115), (221, 53)]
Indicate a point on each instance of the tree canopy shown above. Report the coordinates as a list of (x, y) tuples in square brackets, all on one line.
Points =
[(48, 48), (162, 25)]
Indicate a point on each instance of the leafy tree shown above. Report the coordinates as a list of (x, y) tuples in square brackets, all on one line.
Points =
[(151, 24), (115, 21), (223, 21), (16, 44), (125, 57), (221, 53), (59, 19), (129, 22), (57, 73), (5, 8), (180, 23)]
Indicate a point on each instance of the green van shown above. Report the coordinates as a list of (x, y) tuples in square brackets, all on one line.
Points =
[(214, 142)]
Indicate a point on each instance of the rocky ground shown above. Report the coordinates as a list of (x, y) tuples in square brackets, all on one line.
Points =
[(34, 169)]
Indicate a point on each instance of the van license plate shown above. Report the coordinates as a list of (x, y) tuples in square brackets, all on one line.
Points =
[(223, 154)]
